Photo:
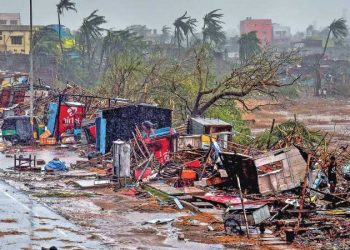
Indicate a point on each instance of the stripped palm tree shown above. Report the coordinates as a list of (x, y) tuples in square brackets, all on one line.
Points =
[(120, 41), (63, 5), (181, 27), (190, 28), (339, 31), (212, 27), (89, 32)]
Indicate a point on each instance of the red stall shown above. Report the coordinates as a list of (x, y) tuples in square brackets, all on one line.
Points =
[(71, 115)]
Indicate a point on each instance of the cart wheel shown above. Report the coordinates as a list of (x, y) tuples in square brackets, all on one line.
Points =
[(232, 226), (262, 228)]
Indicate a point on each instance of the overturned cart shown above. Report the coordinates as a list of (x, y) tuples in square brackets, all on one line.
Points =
[(272, 172), (256, 215)]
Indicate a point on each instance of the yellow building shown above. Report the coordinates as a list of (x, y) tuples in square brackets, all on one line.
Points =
[(15, 38)]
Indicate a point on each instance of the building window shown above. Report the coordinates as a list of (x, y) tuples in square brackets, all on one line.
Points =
[(3, 22), (13, 22), (17, 40)]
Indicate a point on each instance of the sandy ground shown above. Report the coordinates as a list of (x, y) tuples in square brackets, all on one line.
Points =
[(330, 115)]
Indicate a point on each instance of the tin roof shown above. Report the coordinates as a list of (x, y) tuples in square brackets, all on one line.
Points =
[(210, 121)]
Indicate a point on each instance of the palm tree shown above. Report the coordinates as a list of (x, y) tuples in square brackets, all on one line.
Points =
[(248, 46), (339, 31), (61, 6), (181, 27), (190, 28), (120, 41), (89, 32), (46, 42), (212, 27)]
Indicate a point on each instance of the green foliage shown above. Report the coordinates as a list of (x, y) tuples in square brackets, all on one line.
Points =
[(289, 91), (184, 25), (120, 41), (248, 46), (338, 28), (46, 43), (212, 28), (228, 112), (289, 128), (122, 76)]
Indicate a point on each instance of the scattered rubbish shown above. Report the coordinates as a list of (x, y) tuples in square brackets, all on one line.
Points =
[(92, 183), (158, 221)]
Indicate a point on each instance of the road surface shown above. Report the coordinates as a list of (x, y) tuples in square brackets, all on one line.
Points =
[(27, 224)]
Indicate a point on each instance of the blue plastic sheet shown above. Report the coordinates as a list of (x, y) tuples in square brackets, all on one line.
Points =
[(55, 165)]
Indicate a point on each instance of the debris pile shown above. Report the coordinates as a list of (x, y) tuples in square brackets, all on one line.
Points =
[(289, 185)]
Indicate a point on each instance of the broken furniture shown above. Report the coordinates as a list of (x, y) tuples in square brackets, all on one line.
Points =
[(22, 162), (272, 172)]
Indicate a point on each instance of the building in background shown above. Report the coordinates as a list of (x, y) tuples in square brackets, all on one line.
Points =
[(10, 19), (281, 35), (262, 27), (15, 38)]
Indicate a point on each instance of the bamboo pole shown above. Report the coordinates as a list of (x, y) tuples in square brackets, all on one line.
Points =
[(242, 202), (301, 203)]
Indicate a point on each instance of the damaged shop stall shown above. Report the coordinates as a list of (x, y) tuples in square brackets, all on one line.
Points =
[(272, 172), (200, 132), (12, 88), (120, 123), (65, 120)]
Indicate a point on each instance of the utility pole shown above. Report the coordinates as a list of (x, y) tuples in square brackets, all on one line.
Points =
[(31, 80)]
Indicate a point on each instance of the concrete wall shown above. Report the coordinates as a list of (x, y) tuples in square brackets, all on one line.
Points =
[(263, 28)]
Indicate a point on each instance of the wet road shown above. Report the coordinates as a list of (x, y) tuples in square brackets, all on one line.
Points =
[(27, 224), (45, 153)]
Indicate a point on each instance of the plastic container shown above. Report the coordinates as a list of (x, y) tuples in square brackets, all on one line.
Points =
[(42, 141), (45, 134), (51, 141)]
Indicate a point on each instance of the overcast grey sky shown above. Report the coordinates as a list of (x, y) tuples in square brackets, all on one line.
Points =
[(297, 14)]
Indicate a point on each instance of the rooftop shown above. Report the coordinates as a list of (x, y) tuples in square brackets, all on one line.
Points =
[(17, 27), (210, 121)]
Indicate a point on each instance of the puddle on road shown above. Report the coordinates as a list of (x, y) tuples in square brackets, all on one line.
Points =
[(47, 154)]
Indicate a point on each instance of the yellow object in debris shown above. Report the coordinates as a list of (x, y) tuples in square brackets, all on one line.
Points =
[(68, 43), (206, 140), (5, 84), (35, 135)]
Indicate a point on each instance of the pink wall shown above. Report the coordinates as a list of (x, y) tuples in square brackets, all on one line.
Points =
[(263, 28)]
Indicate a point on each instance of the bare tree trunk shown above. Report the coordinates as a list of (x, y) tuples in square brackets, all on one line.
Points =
[(318, 80), (318, 83)]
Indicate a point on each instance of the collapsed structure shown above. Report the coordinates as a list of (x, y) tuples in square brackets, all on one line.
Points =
[(197, 165)]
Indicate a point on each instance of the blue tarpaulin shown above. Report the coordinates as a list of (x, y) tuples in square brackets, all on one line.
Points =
[(55, 165)]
